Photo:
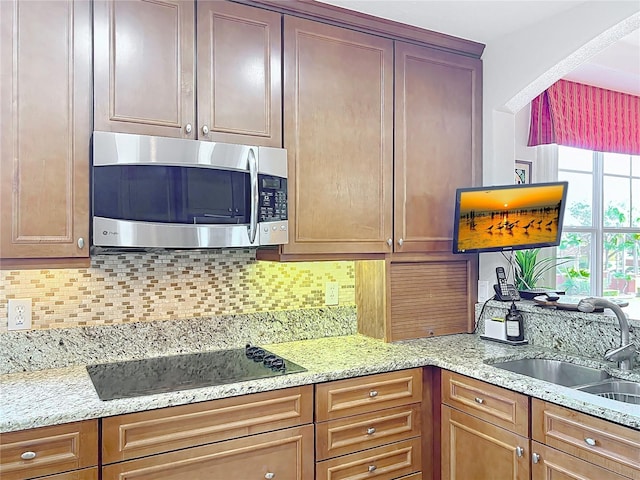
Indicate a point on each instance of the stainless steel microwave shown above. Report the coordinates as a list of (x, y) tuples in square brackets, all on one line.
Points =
[(155, 192)]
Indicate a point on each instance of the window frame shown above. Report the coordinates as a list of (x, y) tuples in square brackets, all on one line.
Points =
[(597, 230)]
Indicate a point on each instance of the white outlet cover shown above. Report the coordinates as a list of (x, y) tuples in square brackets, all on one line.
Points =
[(19, 314), (332, 293)]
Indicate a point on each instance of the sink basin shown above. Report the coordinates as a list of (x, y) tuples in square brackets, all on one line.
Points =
[(614, 389), (554, 371)]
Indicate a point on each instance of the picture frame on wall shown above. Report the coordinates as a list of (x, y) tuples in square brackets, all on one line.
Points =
[(523, 171)]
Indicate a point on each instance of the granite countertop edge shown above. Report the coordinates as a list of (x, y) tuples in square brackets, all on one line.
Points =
[(51, 397)]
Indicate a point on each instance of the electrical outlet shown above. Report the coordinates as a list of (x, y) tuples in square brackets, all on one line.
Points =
[(332, 293), (19, 314)]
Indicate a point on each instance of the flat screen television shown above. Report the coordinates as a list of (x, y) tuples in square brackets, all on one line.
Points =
[(508, 217)]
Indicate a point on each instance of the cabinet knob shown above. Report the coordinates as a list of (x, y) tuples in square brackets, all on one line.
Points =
[(400, 242), (269, 475), (81, 243), (373, 393), (535, 458), (389, 242), (372, 468), (590, 441), (519, 451), (188, 128), (205, 130), (28, 455), (479, 400), (371, 431)]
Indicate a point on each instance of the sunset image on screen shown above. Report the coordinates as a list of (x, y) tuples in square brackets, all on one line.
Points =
[(509, 217)]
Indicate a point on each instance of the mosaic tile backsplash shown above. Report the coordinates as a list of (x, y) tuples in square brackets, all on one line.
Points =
[(135, 287)]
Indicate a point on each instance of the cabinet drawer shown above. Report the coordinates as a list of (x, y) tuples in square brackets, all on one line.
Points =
[(138, 434), (366, 394), (285, 454), (84, 474), (611, 446), (497, 405), (347, 435), (59, 448), (381, 463), (552, 463)]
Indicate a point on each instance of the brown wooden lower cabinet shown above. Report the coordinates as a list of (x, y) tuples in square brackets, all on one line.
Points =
[(550, 464), (50, 450), (475, 449), (597, 441), (281, 455)]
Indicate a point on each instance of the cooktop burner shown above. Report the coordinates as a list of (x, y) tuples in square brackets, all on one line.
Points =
[(181, 372)]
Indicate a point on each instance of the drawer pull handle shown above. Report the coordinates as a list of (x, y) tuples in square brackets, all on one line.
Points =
[(371, 430), (519, 451), (269, 475), (590, 441), (28, 455), (372, 468), (535, 458), (479, 400), (373, 393)]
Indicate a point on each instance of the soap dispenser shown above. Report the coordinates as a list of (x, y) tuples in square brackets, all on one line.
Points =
[(515, 324)]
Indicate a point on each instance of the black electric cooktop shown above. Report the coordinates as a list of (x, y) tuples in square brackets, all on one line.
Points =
[(181, 372)]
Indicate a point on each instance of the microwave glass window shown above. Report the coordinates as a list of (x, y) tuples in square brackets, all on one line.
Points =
[(216, 196), (171, 194), (147, 194)]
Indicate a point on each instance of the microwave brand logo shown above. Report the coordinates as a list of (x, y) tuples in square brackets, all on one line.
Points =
[(107, 233)]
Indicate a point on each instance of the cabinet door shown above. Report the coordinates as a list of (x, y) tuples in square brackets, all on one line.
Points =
[(45, 114), (239, 74), (438, 99), (473, 448), (144, 67), (282, 455), (338, 110), (551, 464)]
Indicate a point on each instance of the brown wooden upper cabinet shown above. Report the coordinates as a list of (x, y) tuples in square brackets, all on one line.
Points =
[(352, 193), (338, 131), (145, 70), (45, 113), (438, 105)]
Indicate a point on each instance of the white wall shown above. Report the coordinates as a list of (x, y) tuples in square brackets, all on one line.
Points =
[(519, 66)]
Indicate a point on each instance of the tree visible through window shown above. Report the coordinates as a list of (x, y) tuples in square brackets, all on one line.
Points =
[(601, 229)]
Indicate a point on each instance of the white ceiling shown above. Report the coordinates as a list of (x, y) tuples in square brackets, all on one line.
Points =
[(615, 68)]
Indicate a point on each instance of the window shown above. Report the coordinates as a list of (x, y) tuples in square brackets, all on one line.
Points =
[(601, 232)]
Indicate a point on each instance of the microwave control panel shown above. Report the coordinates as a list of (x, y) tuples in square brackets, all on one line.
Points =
[(273, 198)]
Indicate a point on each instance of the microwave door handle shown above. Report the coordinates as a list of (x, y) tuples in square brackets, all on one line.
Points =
[(253, 179)]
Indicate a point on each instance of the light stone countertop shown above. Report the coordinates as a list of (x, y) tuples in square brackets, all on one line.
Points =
[(61, 395)]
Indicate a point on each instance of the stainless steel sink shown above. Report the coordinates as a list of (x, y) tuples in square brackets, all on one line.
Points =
[(615, 389), (554, 371)]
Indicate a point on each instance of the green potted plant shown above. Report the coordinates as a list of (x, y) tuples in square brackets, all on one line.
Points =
[(529, 269)]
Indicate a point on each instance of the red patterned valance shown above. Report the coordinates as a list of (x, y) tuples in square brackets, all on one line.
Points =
[(582, 116)]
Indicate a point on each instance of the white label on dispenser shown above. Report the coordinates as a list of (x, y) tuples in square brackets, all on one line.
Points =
[(513, 328)]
